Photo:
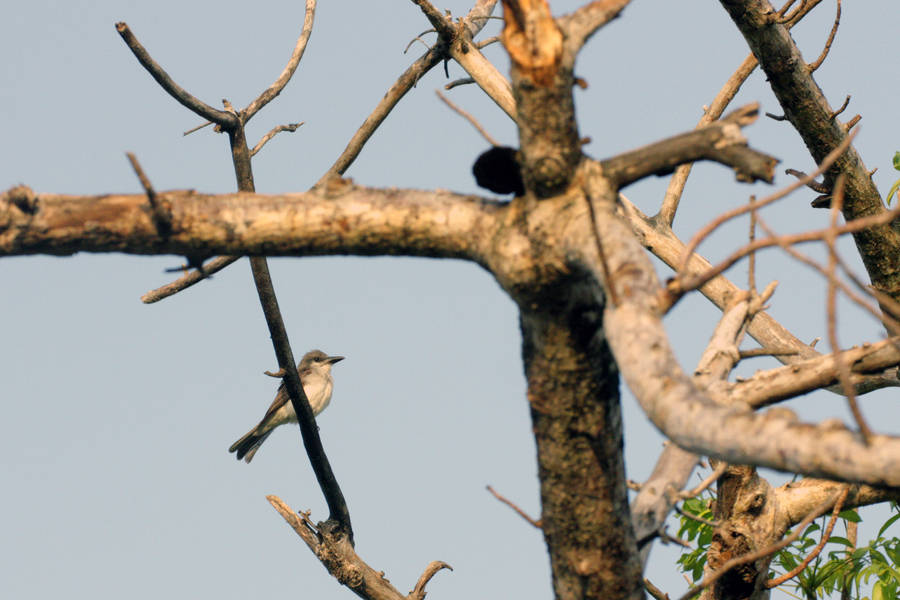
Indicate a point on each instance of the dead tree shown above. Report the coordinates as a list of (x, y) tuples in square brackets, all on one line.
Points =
[(571, 251)]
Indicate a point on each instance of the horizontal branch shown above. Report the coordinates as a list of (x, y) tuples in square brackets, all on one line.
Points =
[(798, 498), (340, 219), (720, 141), (772, 386)]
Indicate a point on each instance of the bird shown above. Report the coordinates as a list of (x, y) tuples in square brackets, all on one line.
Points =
[(315, 376)]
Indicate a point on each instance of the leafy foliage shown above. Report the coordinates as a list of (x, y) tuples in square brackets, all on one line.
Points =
[(844, 566)]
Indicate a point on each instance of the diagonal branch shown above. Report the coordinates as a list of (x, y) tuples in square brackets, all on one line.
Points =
[(273, 90), (474, 22), (771, 334), (224, 119), (718, 105), (458, 42), (337, 506), (805, 106), (338, 556), (694, 420), (404, 83), (584, 22)]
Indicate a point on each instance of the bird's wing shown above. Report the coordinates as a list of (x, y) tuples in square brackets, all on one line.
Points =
[(281, 398)]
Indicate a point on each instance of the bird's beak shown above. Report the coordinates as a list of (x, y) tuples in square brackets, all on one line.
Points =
[(333, 359)]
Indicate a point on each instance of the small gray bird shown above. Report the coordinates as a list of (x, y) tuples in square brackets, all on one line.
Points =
[(315, 375)]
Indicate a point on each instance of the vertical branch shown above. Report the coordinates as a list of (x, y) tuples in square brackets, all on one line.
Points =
[(337, 506), (831, 306), (233, 123), (542, 81)]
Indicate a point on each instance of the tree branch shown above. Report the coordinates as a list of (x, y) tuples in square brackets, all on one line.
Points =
[(720, 141), (584, 22), (806, 108), (340, 219), (771, 334), (715, 109), (768, 387), (334, 551), (224, 119), (695, 421), (273, 90), (474, 22)]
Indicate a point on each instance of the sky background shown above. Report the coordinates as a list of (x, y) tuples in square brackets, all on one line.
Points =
[(117, 416)]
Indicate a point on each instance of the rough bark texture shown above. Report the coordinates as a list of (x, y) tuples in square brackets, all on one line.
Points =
[(573, 391), (806, 108), (588, 296), (542, 82), (746, 511)]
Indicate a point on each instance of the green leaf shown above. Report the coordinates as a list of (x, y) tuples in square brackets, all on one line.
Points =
[(850, 515), (897, 160), (894, 518), (877, 557)]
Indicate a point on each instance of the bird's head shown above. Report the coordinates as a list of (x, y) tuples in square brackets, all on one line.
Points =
[(316, 359)]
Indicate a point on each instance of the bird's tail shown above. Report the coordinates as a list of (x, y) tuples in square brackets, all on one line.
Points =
[(247, 446)]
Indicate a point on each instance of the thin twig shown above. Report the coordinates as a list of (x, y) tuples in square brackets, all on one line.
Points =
[(418, 592), (474, 122), (159, 210), (273, 90), (337, 506), (708, 481), (723, 98), (842, 108), (488, 41), (837, 203), (225, 119), (837, 21), (751, 266), (812, 555), (601, 255), (813, 185), (751, 206), (754, 352), (688, 515), (188, 279), (654, 591), (197, 128), (890, 323), (679, 286), (458, 82), (513, 506), (418, 38), (584, 22), (804, 9), (769, 550), (272, 133)]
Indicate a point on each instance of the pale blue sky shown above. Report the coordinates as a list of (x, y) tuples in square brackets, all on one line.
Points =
[(117, 416)]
